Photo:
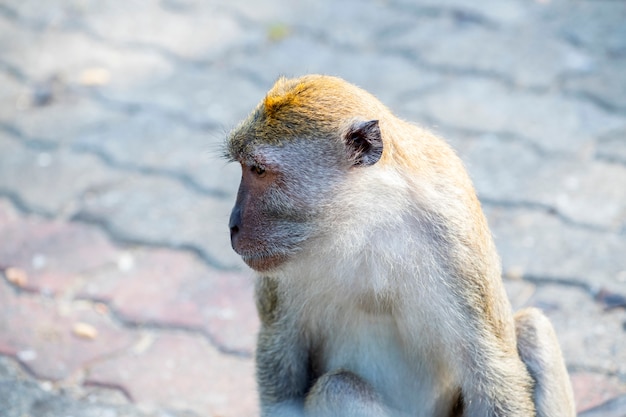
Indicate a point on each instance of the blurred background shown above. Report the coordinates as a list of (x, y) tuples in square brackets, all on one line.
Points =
[(119, 293)]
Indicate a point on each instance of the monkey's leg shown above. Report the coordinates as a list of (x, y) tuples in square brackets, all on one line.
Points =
[(343, 394), (539, 349)]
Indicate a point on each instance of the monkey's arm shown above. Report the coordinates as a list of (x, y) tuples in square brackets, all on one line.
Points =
[(539, 349), (281, 357)]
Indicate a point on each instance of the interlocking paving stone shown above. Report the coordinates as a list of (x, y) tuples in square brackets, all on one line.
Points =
[(596, 26), (488, 106), (540, 244), (161, 211), (22, 396), (114, 203), (607, 85), (54, 256), (612, 147), (140, 23), (41, 334), (169, 289), (184, 372), (50, 181), (175, 150), (573, 186), (521, 54), (594, 389)]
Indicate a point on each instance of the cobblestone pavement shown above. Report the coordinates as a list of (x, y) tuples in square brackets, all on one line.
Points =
[(119, 293)]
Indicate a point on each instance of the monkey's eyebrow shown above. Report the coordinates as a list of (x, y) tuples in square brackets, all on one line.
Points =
[(252, 159)]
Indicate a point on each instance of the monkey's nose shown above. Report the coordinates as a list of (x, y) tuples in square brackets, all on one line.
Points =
[(235, 221)]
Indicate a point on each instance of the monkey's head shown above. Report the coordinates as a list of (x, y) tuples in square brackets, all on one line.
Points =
[(296, 149)]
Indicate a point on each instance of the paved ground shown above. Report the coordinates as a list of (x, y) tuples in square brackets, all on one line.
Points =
[(119, 293)]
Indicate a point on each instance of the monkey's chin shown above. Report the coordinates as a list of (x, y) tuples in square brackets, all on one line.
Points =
[(265, 263)]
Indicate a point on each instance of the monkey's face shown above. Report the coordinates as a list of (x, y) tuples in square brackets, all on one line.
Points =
[(281, 194), (286, 188)]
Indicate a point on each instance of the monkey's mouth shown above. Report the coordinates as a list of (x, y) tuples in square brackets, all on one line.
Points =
[(263, 262)]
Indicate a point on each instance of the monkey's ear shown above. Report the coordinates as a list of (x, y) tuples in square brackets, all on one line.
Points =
[(364, 143)]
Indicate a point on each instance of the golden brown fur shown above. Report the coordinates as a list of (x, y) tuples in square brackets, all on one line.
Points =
[(379, 289)]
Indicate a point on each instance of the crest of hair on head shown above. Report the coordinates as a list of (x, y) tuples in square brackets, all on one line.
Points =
[(285, 93)]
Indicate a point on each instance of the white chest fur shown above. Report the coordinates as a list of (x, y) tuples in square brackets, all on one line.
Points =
[(374, 347)]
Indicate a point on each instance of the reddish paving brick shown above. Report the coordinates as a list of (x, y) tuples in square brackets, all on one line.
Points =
[(183, 372), (176, 289), (53, 254), (39, 332), (592, 389)]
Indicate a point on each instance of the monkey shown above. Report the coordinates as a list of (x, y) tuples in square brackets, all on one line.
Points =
[(379, 286)]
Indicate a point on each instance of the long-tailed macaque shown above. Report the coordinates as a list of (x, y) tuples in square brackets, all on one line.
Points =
[(379, 286)]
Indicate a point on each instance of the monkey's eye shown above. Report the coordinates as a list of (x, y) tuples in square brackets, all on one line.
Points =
[(259, 171)]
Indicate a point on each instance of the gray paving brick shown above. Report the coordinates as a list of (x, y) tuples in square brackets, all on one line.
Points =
[(111, 115), (169, 289), (49, 181), (42, 335), (541, 245), (22, 396), (607, 85), (612, 147), (10, 91), (596, 26), (195, 378), (67, 54), (56, 123), (161, 211), (195, 29), (175, 149), (391, 78), (493, 10), (511, 171), (570, 309), (198, 96), (524, 55), (553, 122)]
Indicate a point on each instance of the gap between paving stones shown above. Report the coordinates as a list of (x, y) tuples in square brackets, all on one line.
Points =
[(124, 107), (40, 26), (594, 99), (62, 387), (29, 142), (193, 186), (73, 294), (117, 238), (33, 25), (189, 183), (420, 62), (538, 280), (78, 374), (610, 159), (13, 71), (437, 125), (591, 291), (178, 176), (547, 209), (158, 326), (124, 322), (411, 56), (574, 367), (131, 108), (595, 293), (438, 11)]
